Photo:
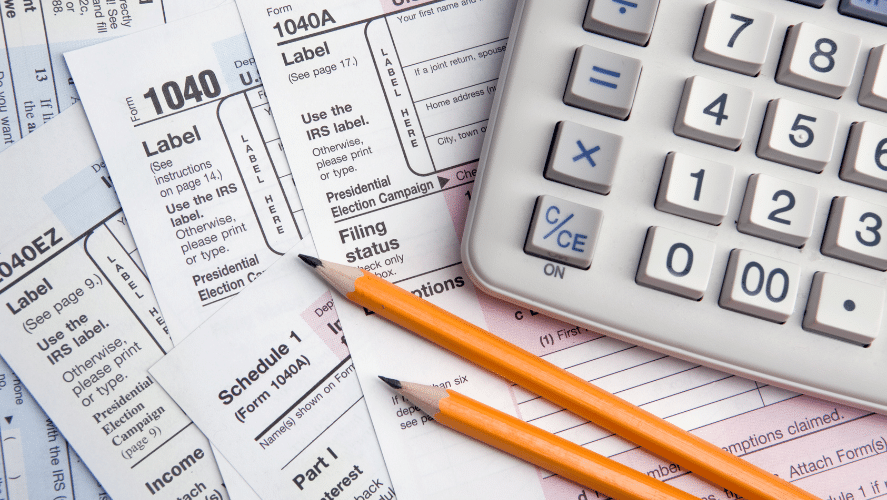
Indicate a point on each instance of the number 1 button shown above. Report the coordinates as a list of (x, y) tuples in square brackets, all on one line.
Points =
[(713, 113), (734, 37), (676, 263)]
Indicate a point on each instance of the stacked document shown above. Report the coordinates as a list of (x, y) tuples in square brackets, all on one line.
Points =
[(156, 314)]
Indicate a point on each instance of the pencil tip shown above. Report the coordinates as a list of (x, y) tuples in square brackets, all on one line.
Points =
[(311, 261), (392, 382)]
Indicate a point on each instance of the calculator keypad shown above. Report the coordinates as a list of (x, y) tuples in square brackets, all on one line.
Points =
[(798, 135), (865, 158), (734, 37), (873, 92), (818, 60), (778, 210), (603, 82), (583, 157), (714, 113)]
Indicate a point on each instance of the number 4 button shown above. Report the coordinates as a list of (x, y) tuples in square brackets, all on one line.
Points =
[(713, 113)]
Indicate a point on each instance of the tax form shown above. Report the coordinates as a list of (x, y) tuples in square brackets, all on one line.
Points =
[(35, 85), (80, 326), (269, 379), (387, 105), (195, 157), (35, 460)]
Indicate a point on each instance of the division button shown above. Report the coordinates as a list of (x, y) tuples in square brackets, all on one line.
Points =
[(760, 286), (603, 82), (844, 308), (627, 20), (563, 231), (676, 263), (583, 157)]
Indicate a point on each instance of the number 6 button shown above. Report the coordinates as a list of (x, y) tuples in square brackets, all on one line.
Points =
[(818, 60), (760, 286), (854, 233), (798, 135), (676, 263)]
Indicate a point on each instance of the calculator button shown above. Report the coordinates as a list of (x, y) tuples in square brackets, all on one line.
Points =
[(714, 113), (563, 231), (798, 135), (629, 21), (818, 60), (778, 210), (811, 3), (760, 286), (734, 37), (676, 263), (873, 92), (695, 188), (583, 157), (603, 82), (865, 159), (855, 233), (865, 10), (844, 308)]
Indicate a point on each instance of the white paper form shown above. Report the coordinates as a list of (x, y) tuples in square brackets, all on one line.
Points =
[(195, 157), (35, 460), (269, 379), (384, 197), (80, 325), (35, 84)]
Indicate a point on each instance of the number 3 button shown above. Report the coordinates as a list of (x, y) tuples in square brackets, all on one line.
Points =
[(676, 263), (854, 233)]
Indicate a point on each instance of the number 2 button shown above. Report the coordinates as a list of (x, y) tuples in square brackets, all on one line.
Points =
[(798, 135), (713, 113), (778, 210)]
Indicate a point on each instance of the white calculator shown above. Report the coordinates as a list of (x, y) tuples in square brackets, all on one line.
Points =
[(704, 178)]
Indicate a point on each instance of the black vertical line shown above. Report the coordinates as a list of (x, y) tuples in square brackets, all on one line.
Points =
[(58, 105), (70, 469)]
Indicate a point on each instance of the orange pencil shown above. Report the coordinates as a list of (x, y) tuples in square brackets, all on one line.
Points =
[(555, 384), (516, 437)]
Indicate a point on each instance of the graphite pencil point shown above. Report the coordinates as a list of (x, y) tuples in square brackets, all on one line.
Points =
[(311, 261), (392, 382)]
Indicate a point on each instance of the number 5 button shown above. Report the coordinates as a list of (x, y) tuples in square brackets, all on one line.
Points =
[(854, 233), (713, 113), (818, 60), (778, 210), (798, 135), (676, 263)]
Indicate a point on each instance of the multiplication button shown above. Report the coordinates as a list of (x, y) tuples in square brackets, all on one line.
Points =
[(583, 157), (844, 308), (563, 231), (603, 82)]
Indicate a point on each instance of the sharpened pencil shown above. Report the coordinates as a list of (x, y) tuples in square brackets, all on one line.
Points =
[(532, 444), (555, 384)]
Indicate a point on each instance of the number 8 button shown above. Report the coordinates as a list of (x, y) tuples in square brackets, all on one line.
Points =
[(818, 60)]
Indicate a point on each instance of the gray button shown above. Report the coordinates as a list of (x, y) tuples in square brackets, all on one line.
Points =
[(629, 21), (603, 82), (812, 3), (584, 157), (865, 10), (563, 231)]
